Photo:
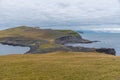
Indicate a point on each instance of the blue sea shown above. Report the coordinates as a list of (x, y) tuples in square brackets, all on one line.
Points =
[(6, 49), (107, 40)]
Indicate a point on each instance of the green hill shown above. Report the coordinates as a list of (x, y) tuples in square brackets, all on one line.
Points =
[(36, 33)]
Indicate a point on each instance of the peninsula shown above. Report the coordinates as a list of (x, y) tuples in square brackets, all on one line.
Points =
[(46, 40)]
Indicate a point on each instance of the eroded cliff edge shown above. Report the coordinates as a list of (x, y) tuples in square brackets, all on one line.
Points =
[(46, 40)]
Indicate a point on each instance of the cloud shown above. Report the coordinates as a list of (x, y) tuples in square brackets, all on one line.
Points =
[(62, 12)]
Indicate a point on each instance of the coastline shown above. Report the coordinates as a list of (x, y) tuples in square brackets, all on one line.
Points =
[(57, 44), (66, 48)]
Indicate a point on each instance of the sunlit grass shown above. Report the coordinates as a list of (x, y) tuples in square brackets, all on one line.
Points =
[(60, 66)]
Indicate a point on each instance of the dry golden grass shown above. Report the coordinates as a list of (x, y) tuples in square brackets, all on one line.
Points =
[(60, 66)]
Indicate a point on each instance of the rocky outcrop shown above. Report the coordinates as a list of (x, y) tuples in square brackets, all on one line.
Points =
[(80, 49), (110, 51), (71, 39), (107, 51)]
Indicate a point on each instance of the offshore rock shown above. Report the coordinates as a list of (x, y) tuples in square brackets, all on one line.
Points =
[(110, 51)]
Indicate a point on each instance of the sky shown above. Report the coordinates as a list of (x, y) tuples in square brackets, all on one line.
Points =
[(59, 12)]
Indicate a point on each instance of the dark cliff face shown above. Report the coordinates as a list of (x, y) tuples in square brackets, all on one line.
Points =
[(107, 51), (71, 39), (81, 49)]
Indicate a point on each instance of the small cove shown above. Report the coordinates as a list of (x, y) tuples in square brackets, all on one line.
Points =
[(8, 49)]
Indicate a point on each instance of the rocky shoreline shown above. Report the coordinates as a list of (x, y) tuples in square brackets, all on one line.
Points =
[(45, 41), (62, 41)]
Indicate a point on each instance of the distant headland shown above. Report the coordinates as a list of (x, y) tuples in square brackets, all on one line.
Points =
[(46, 40)]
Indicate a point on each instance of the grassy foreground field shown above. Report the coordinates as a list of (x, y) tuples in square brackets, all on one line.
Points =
[(60, 66)]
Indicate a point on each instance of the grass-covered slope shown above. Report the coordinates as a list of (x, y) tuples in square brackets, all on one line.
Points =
[(60, 66), (35, 33)]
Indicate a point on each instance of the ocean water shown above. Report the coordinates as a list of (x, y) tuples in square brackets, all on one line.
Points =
[(107, 40), (6, 49)]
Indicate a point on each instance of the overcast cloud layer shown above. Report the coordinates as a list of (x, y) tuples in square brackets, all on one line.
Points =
[(58, 12)]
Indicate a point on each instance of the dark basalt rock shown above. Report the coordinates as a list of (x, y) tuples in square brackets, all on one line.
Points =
[(107, 51), (110, 51), (71, 39), (80, 49)]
